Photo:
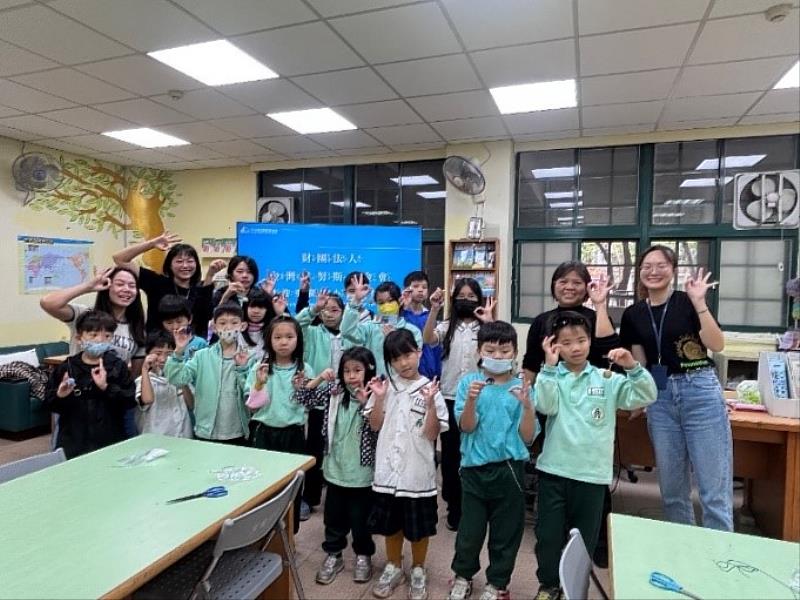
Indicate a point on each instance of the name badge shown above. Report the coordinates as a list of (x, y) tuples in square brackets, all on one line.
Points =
[(660, 376), (595, 391)]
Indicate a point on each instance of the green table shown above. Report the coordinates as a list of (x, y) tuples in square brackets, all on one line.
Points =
[(89, 528), (710, 564)]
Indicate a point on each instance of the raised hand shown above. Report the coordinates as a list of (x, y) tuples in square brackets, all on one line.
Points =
[(362, 289), (328, 375), (405, 299), (485, 313), (216, 266), (165, 240), (66, 387), (268, 284), (101, 281), (379, 387), (305, 281), (361, 394), (99, 376), (437, 298), (429, 392), (551, 350), (261, 374), (149, 363), (322, 300), (234, 289), (299, 380), (622, 357), (523, 393), (241, 357), (698, 285), (474, 390), (600, 289), (279, 303), (182, 338)]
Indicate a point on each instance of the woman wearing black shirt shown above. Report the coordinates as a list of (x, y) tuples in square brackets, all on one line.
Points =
[(671, 332)]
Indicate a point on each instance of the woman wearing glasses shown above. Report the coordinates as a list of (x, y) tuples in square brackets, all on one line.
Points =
[(671, 332)]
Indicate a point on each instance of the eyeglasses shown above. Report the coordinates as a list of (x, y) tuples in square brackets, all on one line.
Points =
[(661, 267)]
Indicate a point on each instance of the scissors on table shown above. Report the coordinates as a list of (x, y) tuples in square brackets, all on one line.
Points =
[(212, 492)]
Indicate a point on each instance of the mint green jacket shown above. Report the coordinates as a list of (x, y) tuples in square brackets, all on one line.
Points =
[(582, 417), (204, 371), (318, 341)]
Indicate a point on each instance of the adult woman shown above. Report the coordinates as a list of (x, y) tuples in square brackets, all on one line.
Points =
[(242, 275), (688, 424), (181, 276)]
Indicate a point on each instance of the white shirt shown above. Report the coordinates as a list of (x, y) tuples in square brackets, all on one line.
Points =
[(463, 357), (167, 414), (404, 457)]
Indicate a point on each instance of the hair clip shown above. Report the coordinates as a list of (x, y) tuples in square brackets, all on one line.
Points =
[(489, 381)]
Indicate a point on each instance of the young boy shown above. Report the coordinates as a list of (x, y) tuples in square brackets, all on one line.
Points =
[(91, 390), (218, 374), (415, 293), (494, 412), (162, 406), (575, 465), (175, 315)]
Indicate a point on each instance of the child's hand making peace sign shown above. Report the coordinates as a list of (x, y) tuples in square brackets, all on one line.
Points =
[(429, 392), (362, 289), (551, 350)]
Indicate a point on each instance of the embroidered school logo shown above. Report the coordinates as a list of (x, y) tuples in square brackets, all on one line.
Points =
[(597, 414), (594, 391)]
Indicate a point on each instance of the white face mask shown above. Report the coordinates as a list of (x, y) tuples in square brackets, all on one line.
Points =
[(497, 366), (228, 335)]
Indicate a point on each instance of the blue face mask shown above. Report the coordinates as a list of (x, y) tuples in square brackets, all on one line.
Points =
[(95, 349), (497, 366)]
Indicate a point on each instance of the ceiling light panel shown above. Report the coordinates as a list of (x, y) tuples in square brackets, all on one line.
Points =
[(530, 97), (146, 137), (315, 120)]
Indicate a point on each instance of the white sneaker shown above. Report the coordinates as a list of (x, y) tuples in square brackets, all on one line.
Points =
[(418, 588), (460, 589), (391, 577)]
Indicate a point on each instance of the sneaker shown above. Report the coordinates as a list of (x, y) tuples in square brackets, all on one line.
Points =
[(492, 593), (460, 589), (546, 593), (363, 570), (329, 569), (391, 577), (418, 588), (305, 511)]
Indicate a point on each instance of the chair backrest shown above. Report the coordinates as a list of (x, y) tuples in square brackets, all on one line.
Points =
[(31, 464), (575, 567)]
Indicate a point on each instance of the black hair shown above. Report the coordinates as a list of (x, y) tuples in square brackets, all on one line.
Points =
[(134, 312), (228, 308), (297, 355), (95, 320), (452, 324), (568, 318), (338, 299), (159, 339), (258, 298), (172, 307), (668, 253), (499, 332), (239, 259), (363, 356), (396, 344), (567, 267), (352, 276), (415, 276), (177, 250), (391, 288)]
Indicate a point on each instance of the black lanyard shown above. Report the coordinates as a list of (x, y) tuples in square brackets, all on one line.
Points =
[(657, 331)]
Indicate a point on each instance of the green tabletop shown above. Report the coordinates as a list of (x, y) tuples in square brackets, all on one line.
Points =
[(710, 564), (88, 527)]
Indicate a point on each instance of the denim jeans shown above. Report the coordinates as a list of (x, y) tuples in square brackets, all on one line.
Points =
[(690, 432)]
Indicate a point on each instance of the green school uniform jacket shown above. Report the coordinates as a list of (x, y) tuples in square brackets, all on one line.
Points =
[(318, 341)]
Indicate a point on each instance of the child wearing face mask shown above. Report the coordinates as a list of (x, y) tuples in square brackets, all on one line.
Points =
[(91, 390)]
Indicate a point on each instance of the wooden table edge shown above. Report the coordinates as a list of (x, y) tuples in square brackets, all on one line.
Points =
[(610, 538), (133, 583)]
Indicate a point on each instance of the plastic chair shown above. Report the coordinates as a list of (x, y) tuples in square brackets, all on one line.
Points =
[(31, 464), (575, 569), (233, 567)]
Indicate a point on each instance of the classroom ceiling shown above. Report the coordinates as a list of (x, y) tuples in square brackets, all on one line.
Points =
[(410, 75)]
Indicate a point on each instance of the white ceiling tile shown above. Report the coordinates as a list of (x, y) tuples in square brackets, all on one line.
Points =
[(27, 99), (148, 155), (88, 119), (300, 49), (404, 134), (14, 60), (431, 75), (696, 124), (144, 112), (730, 78), (235, 147), (342, 140), (546, 61), (611, 115), (44, 31), (40, 126), (547, 135), (332, 8), (61, 144), (465, 129), (778, 101), (778, 118), (248, 15), (313, 154), (290, 144), (182, 166), (205, 104), (598, 16), (274, 95), (752, 36), (17, 134), (146, 25), (618, 130), (252, 126), (10, 3), (629, 87), (635, 50), (73, 85), (140, 74), (263, 156), (346, 87), (5, 111), (417, 147), (198, 132), (218, 163), (724, 8), (708, 107), (363, 151), (193, 152), (399, 33), (378, 114), (116, 158), (484, 24), (100, 143), (462, 105), (544, 120)]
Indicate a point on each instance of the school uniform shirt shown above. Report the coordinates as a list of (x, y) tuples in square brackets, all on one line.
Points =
[(581, 414), (283, 410), (404, 457), (322, 347), (342, 463), (681, 347), (156, 286), (463, 356), (498, 415), (195, 344), (257, 349), (122, 341), (167, 414), (430, 363)]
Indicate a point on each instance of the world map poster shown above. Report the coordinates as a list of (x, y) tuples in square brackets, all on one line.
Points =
[(52, 263)]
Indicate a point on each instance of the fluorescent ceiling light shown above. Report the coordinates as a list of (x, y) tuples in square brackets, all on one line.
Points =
[(556, 195), (704, 182), (377, 213), (431, 195), (554, 172), (146, 137), (669, 215), (344, 203), (791, 79), (415, 180), (214, 63), (566, 219), (408, 223), (296, 187), (529, 97), (686, 201), (565, 204), (731, 162), (314, 120)]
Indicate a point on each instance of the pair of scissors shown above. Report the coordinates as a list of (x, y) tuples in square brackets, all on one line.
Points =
[(665, 582), (212, 492)]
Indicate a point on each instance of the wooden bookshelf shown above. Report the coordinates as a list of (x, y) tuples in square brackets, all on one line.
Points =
[(478, 259)]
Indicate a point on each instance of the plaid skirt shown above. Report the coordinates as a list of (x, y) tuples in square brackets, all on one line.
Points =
[(415, 517)]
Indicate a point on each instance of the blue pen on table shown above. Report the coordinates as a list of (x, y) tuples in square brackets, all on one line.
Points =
[(212, 492), (665, 582)]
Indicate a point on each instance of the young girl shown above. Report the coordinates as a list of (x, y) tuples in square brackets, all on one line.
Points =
[(409, 412), (458, 338), (242, 274), (258, 312)]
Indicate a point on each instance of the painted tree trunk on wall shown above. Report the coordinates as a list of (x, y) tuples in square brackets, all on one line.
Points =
[(145, 218)]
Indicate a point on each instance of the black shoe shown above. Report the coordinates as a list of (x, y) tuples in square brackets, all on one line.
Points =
[(452, 523)]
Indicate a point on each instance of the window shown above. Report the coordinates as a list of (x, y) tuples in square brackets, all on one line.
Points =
[(613, 260), (537, 262), (684, 187), (691, 255)]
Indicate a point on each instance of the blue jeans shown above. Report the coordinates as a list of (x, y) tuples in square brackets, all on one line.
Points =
[(690, 431)]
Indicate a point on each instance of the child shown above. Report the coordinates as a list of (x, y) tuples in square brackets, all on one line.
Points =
[(163, 408), (415, 294), (175, 315), (91, 390), (218, 375), (575, 465), (258, 312), (409, 413), (495, 414), (458, 340)]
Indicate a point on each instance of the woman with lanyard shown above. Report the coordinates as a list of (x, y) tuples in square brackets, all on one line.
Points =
[(688, 424), (181, 276)]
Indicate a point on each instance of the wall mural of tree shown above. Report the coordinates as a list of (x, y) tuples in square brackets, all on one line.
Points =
[(104, 197)]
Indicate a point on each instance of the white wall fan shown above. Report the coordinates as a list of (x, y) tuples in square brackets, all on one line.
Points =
[(467, 178), (36, 172), (767, 200)]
